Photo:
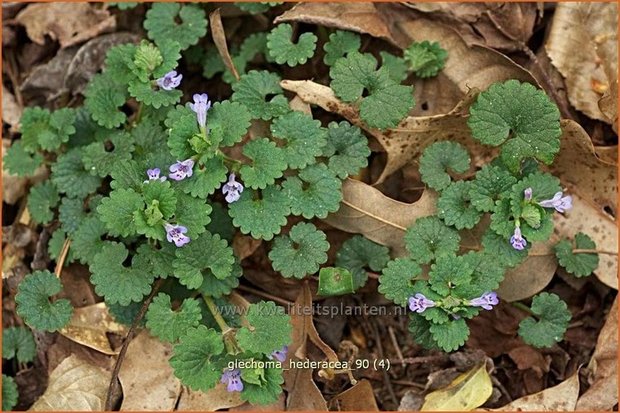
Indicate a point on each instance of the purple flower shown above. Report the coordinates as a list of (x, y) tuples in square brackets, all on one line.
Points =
[(486, 300), (527, 194), (169, 81), (232, 379), (153, 175), (559, 202), (176, 234), (419, 303), (201, 105), (279, 355), (181, 170), (232, 189), (517, 241)]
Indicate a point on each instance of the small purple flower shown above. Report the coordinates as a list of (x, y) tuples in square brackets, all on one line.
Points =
[(169, 81), (527, 194), (181, 170), (559, 202), (486, 301), (153, 175), (419, 303), (176, 234), (517, 241), (279, 355), (232, 189), (201, 105), (232, 379)]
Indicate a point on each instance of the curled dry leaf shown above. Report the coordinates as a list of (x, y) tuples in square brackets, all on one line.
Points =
[(358, 398), (68, 25), (11, 111), (562, 397), (90, 325), (357, 17), (219, 38), (608, 105), (603, 392), (467, 392), (146, 377), (590, 28), (365, 210), (74, 385), (217, 398)]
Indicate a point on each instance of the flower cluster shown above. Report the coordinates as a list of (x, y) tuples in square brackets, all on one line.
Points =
[(419, 303)]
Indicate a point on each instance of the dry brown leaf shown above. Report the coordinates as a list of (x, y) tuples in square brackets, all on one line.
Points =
[(466, 392), (593, 185), (245, 245), (11, 111), (68, 23), (357, 17), (603, 393), (562, 397), (607, 154), (74, 385), (590, 28), (358, 398), (608, 105), (365, 210), (215, 399), (89, 326), (146, 377), (219, 38)]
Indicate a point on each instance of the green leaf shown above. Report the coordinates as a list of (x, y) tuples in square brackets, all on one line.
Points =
[(268, 391), (117, 211), (19, 162), (268, 163), (487, 274), (426, 59), (100, 160), (119, 62), (206, 179), (450, 335), (579, 264), (315, 192), (71, 214), (191, 260), (262, 215), (335, 281), (269, 328), (396, 280), (193, 358), (439, 158), (55, 244), (304, 138), (155, 261), (125, 314), (87, 239), (104, 97), (429, 238), (301, 252), (184, 23), (502, 219), (233, 118), (396, 66), (169, 325), (419, 328), (352, 75), (34, 306), (42, 199), (256, 7), (157, 98), (18, 342), (40, 129), (519, 116), (161, 203), (114, 281), (254, 88), (455, 206), (449, 272), (71, 177), (339, 45), (499, 247), (283, 50), (347, 149), (358, 253), (214, 287), (145, 59), (10, 395), (553, 318), (543, 185), (490, 185), (192, 213), (182, 126)]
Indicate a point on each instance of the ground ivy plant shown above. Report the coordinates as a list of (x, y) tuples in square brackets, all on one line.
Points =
[(148, 184)]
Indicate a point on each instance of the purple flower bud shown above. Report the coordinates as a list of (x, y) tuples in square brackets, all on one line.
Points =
[(558, 202), (232, 189), (169, 81), (279, 355), (486, 301), (181, 170), (419, 303), (176, 234), (517, 241), (527, 194), (201, 105), (232, 379), (153, 175)]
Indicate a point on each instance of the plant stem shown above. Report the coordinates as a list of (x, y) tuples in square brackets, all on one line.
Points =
[(578, 251), (216, 314), (522, 307)]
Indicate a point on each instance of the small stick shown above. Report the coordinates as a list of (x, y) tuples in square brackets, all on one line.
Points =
[(395, 343), (63, 256)]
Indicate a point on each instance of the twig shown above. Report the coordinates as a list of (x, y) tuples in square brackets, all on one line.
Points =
[(418, 360), (386, 377), (62, 257), (266, 295), (578, 251), (114, 383), (395, 343)]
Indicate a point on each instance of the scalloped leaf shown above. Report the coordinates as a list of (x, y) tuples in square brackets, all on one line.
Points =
[(578, 264), (34, 305), (283, 50), (169, 325), (429, 238), (439, 158), (553, 318), (301, 252), (315, 192)]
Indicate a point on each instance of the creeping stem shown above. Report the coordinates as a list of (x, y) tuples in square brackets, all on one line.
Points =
[(216, 314)]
